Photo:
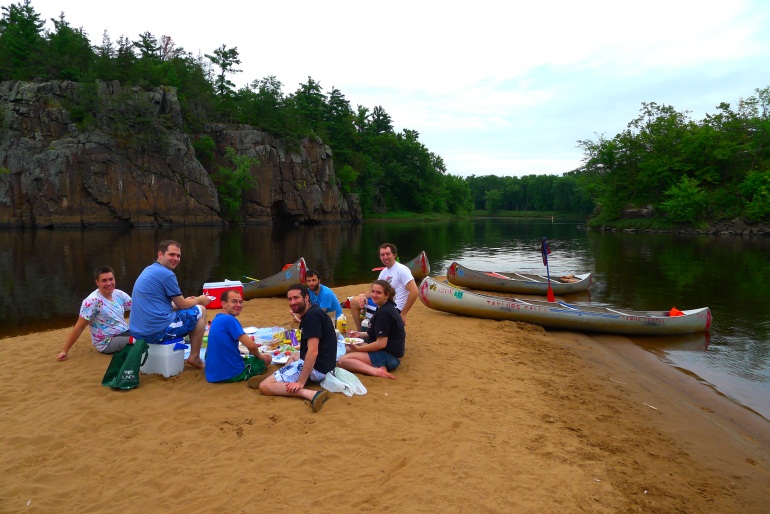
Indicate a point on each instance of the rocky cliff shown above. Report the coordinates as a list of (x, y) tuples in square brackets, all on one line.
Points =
[(75, 155)]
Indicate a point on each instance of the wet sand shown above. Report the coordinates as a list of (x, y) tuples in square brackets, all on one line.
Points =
[(485, 417)]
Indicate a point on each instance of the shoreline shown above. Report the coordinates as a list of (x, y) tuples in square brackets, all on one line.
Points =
[(498, 416)]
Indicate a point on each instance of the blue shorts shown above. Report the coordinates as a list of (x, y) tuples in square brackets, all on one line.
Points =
[(382, 358), (183, 323)]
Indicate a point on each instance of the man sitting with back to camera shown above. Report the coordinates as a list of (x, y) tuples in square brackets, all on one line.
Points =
[(224, 362)]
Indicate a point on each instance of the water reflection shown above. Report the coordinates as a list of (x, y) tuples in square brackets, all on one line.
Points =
[(45, 274)]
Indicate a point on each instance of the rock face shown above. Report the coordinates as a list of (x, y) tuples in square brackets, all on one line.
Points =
[(131, 164)]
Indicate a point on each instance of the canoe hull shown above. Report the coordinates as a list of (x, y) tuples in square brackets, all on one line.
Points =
[(444, 297), (278, 284), (419, 266), (519, 283)]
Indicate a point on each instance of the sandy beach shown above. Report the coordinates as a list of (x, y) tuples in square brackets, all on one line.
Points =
[(485, 416)]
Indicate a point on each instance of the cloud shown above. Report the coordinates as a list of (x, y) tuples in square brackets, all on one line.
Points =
[(507, 88)]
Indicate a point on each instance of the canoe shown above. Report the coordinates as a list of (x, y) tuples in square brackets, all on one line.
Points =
[(444, 297), (521, 283), (278, 284), (419, 266)]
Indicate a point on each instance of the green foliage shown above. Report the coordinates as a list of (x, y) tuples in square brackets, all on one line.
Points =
[(347, 176), (21, 42), (204, 149), (686, 201), (233, 182), (4, 171), (756, 189), (693, 170)]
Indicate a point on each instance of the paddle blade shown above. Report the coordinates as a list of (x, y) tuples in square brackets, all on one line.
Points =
[(551, 297)]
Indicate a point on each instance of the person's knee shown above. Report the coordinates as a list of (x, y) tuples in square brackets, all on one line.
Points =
[(264, 386)]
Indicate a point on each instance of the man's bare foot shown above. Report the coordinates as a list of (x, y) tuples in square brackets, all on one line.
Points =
[(197, 362), (382, 372)]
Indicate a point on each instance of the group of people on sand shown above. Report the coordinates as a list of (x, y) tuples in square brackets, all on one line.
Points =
[(160, 312)]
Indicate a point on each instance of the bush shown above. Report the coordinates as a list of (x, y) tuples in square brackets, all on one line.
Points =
[(686, 201)]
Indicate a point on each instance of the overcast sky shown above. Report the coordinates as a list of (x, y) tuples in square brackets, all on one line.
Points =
[(504, 88)]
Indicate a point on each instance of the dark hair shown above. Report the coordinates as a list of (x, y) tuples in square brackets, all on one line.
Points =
[(389, 291), (163, 245), (312, 273), (226, 295), (391, 246), (302, 288), (101, 270)]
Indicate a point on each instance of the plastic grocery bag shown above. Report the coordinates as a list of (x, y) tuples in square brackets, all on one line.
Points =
[(350, 379), (334, 385), (343, 381)]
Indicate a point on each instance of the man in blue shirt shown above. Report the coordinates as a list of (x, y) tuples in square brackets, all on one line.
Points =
[(224, 362), (321, 295), (159, 310)]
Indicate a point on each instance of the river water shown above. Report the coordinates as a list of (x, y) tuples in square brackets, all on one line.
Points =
[(45, 274)]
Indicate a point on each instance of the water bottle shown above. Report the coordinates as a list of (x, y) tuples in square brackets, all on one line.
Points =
[(342, 325)]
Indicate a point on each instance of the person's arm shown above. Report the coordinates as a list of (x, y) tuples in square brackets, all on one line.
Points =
[(183, 303), (307, 368), (412, 288), (379, 344), (335, 304), (77, 330), (254, 348)]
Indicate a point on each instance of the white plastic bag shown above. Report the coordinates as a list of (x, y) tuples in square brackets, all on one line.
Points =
[(343, 381), (334, 385), (348, 378)]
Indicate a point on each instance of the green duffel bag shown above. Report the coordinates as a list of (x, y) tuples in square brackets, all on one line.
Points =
[(123, 371)]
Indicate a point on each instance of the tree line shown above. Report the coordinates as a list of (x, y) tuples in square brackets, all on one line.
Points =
[(390, 170), (690, 172)]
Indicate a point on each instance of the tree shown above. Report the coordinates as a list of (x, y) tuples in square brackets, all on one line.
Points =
[(225, 59), (21, 42), (69, 52), (233, 182)]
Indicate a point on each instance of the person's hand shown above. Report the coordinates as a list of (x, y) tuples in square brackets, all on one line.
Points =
[(204, 300), (297, 318), (294, 387), (266, 357), (403, 318), (354, 333), (62, 356)]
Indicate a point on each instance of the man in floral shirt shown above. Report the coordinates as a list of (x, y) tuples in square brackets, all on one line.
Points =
[(104, 312)]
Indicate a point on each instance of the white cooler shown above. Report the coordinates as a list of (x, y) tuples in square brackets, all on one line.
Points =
[(165, 358)]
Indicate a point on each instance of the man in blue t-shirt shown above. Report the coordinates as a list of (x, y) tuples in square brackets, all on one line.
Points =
[(159, 310), (321, 295), (224, 362), (317, 353)]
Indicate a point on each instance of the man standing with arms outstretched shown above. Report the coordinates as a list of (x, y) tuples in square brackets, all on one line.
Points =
[(159, 310), (398, 276)]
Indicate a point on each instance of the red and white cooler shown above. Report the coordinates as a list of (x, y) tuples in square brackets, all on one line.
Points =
[(216, 289)]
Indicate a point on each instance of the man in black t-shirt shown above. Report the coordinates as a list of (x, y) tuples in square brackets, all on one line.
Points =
[(317, 353)]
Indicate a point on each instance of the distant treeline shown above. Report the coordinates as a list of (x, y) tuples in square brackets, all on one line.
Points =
[(389, 170), (687, 171)]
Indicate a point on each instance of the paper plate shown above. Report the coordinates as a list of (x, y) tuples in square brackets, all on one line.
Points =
[(353, 340), (250, 330)]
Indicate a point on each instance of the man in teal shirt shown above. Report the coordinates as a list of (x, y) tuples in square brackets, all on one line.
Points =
[(321, 295)]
